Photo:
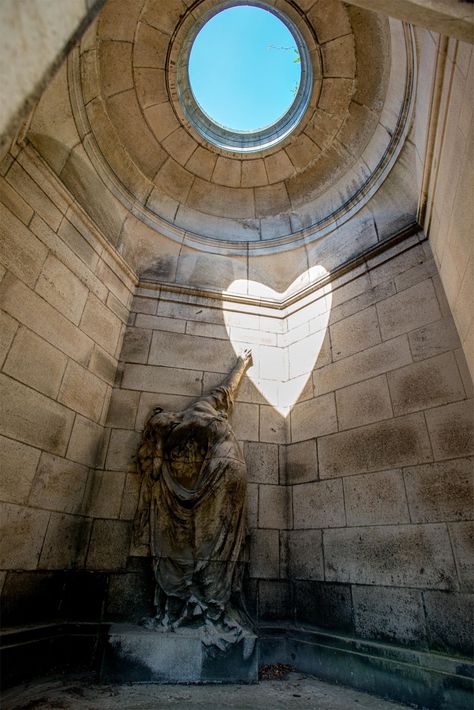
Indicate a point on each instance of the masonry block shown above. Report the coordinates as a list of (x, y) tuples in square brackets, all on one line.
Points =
[(59, 484), (264, 554), (324, 604), (305, 554), (376, 499), (409, 309), (441, 491), (363, 403), (425, 384), (378, 555), (389, 614), (33, 418), (22, 532), (35, 362), (18, 468), (262, 462), (301, 462), (451, 429), (319, 504), (273, 508), (388, 444)]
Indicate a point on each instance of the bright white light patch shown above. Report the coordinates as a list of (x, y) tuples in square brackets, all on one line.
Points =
[(285, 343)]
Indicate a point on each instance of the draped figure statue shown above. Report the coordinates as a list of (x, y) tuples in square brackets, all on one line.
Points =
[(192, 512)]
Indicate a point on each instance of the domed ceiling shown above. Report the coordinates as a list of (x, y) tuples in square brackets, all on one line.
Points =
[(130, 110)]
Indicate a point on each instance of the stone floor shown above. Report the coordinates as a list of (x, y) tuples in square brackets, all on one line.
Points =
[(296, 691)]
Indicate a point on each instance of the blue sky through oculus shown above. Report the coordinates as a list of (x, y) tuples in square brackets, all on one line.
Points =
[(242, 68)]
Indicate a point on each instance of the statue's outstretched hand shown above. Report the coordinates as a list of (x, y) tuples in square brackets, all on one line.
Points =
[(246, 356)]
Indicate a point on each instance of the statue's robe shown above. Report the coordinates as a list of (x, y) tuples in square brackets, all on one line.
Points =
[(196, 504)]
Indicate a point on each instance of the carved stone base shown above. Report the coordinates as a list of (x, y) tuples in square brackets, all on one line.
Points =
[(135, 654)]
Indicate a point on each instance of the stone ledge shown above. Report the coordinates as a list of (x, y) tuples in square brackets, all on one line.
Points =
[(418, 678)]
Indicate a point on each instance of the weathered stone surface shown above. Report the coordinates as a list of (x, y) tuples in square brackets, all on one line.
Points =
[(20, 251), (103, 365), (319, 505), (65, 542), (59, 484), (451, 429), (193, 353), (14, 202), (82, 391), (378, 555), (361, 366), (262, 462), (324, 604), (357, 332), (35, 362), (301, 462), (389, 614), (363, 403), (440, 491), (167, 380), (389, 444), (244, 419), (152, 322), (305, 554), (462, 538), (62, 289), (273, 426), (264, 554), (376, 499), (8, 328), (274, 600), (449, 621), (134, 653), (104, 496), (425, 384), (273, 508), (123, 408), (31, 597), (410, 309), (34, 195), (66, 255), (101, 324), (85, 441), (130, 496), (109, 544), (122, 451), (22, 532), (433, 339), (33, 418), (356, 296), (18, 466), (143, 305), (314, 417), (31, 310)]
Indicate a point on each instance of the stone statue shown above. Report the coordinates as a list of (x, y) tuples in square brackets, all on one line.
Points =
[(192, 513)]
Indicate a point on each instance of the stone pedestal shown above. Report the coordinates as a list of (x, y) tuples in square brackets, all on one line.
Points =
[(136, 654)]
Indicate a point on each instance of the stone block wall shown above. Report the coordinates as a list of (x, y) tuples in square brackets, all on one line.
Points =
[(382, 504), (449, 218), (360, 494), (355, 421), (64, 298)]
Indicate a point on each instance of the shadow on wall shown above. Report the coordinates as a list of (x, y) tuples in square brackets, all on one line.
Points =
[(81, 179)]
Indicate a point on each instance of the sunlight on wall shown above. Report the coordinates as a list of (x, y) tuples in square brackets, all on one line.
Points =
[(285, 336)]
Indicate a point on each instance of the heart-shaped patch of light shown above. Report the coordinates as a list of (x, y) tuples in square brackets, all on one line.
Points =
[(285, 333)]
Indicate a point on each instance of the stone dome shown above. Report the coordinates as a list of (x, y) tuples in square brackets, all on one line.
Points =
[(129, 112)]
